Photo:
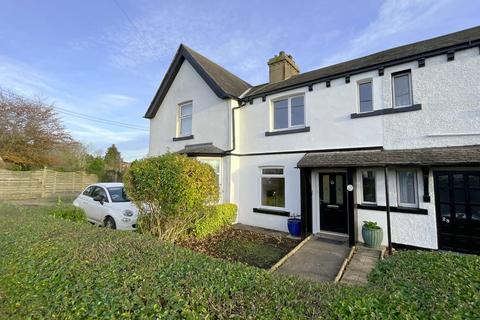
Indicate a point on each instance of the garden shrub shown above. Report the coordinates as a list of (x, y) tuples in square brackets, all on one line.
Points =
[(67, 211), (216, 218), (172, 192)]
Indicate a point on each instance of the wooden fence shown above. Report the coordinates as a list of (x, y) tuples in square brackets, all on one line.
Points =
[(41, 183)]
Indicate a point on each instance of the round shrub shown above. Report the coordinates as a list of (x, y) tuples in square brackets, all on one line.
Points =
[(172, 192)]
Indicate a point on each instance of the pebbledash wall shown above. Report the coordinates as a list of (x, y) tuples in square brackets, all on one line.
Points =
[(449, 93)]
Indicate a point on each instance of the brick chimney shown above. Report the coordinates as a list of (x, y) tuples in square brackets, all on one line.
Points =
[(282, 67)]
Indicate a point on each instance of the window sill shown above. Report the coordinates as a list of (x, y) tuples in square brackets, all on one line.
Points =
[(393, 209), (271, 211), (183, 138), (287, 131), (414, 107)]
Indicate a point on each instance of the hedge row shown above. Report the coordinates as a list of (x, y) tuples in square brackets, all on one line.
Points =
[(57, 269), (218, 216)]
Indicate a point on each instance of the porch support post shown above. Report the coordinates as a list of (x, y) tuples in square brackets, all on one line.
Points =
[(387, 206), (306, 200), (350, 209)]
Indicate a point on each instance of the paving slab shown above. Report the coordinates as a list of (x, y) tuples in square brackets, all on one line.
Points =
[(363, 261), (319, 259)]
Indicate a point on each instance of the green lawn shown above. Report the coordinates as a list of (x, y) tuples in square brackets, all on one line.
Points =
[(56, 269)]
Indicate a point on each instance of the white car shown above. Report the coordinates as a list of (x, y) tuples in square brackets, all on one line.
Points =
[(106, 204)]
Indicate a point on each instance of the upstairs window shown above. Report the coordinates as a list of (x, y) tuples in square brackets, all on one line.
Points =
[(272, 187), (402, 89), (289, 113), (185, 119), (365, 96)]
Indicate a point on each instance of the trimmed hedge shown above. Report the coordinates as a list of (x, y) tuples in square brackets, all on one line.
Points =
[(68, 212), (172, 192), (217, 217), (55, 269)]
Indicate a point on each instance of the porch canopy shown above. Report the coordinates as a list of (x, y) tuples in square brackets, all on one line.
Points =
[(202, 149), (444, 156)]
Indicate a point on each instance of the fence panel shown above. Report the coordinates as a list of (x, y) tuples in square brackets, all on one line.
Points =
[(41, 183)]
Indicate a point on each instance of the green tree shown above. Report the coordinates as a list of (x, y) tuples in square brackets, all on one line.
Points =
[(95, 165), (113, 163)]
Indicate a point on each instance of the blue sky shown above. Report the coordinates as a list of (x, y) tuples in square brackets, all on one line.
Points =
[(106, 58)]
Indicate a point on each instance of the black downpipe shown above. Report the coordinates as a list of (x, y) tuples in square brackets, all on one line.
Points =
[(387, 205), (227, 152)]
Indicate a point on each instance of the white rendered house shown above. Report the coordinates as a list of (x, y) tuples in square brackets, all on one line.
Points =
[(319, 144)]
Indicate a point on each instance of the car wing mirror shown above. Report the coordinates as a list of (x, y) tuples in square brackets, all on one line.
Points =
[(99, 198)]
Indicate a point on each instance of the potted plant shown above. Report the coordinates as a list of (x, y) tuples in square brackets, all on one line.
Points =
[(372, 234), (294, 225)]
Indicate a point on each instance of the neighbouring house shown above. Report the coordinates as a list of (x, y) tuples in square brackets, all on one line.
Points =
[(397, 131)]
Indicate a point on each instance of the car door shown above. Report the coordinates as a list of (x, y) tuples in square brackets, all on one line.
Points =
[(99, 210), (85, 201)]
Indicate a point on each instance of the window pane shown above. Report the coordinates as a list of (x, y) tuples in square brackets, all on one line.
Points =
[(297, 101), (365, 94), (186, 126), (186, 110), (402, 90), (474, 181), (273, 192), (368, 186), (339, 188), (280, 114), (298, 115), (272, 171), (407, 187), (326, 188)]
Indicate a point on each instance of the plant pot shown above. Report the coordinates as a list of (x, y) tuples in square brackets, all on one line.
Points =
[(294, 226), (372, 237)]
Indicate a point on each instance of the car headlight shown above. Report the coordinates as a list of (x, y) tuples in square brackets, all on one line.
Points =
[(128, 213)]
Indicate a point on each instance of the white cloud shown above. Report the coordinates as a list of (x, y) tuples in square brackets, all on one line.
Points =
[(98, 135), (24, 79), (117, 99)]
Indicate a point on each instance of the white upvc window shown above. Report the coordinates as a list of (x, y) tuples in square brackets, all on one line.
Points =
[(288, 113), (184, 123), (365, 95), (407, 188), (402, 89), (369, 193), (272, 187), (216, 164)]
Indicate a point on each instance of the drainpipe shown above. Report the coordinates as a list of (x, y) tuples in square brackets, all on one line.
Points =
[(387, 206), (227, 152)]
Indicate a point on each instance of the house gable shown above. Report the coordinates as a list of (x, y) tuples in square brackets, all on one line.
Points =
[(222, 82)]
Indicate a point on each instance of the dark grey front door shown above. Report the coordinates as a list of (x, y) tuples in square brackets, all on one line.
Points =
[(333, 202), (457, 195)]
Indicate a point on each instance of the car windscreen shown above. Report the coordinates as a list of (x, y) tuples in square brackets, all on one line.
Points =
[(118, 194)]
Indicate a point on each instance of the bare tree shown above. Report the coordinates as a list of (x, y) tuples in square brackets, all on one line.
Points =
[(29, 130)]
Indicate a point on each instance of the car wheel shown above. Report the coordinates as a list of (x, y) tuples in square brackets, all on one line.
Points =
[(110, 223)]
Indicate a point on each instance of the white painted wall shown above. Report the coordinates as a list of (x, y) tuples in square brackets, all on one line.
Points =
[(327, 113), (410, 229), (210, 122), (246, 181), (450, 96)]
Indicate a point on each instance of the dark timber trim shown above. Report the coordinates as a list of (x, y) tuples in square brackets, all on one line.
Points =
[(414, 107), (306, 200), (303, 151), (376, 66), (183, 138), (350, 208), (392, 209), (273, 212), (287, 131), (426, 191)]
